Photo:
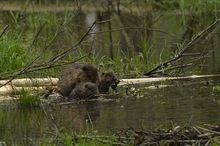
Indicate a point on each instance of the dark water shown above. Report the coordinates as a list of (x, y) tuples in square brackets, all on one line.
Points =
[(184, 103)]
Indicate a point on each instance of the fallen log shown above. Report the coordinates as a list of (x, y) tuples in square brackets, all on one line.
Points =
[(40, 84), (159, 79), (8, 89), (27, 82)]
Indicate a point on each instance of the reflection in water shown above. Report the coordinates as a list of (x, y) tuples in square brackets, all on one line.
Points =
[(155, 35), (182, 105), (194, 104), (75, 115), (89, 20), (18, 125), (23, 126)]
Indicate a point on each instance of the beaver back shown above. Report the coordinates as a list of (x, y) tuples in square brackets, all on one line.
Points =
[(76, 74)]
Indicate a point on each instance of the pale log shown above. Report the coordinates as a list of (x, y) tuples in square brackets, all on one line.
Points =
[(27, 82), (46, 83), (150, 80), (6, 90)]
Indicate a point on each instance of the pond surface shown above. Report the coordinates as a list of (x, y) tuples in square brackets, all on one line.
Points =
[(183, 103)]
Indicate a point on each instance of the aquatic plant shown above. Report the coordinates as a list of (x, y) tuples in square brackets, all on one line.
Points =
[(216, 88), (26, 99)]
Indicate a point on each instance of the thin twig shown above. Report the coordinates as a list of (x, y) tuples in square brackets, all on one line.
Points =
[(64, 53), (130, 28), (4, 30), (184, 49), (38, 33), (31, 68)]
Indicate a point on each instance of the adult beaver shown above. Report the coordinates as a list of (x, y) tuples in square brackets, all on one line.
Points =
[(84, 90), (80, 74), (76, 74)]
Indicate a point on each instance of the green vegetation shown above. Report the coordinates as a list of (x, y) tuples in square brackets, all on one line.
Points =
[(27, 100), (183, 5), (128, 136), (68, 139), (216, 88), (33, 39)]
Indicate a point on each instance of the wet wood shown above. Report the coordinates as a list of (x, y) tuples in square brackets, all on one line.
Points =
[(39, 84), (27, 82), (53, 81), (34, 82), (178, 135), (8, 89), (159, 79)]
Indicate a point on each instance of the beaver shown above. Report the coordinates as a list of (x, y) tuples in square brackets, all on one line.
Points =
[(84, 90), (76, 74), (107, 80)]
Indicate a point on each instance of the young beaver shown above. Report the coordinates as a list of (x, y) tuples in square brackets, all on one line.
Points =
[(107, 80), (76, 74), (84, 90)]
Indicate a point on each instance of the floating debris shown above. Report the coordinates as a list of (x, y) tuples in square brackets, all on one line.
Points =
[(182, 136)]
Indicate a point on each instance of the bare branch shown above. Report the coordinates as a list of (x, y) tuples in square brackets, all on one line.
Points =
[(4, 30), (141, 28), (46, 65), (194, 40), (38, 33)]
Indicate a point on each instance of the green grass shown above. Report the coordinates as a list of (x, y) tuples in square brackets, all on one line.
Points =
[(37, 38), (26, 99), (69, 139), (12, 55), (85, 136)]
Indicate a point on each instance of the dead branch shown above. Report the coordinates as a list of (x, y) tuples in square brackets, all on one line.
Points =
[(193, 41), (38, 33), (64, 53), (31, 67), (135, 28), (183, 136), (4, 30)]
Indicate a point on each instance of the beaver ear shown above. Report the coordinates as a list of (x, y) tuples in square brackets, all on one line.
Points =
[(103, 73), (85, 68)]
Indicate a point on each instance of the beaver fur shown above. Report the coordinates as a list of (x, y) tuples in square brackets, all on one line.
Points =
[(107, 80), (76, 74), (84, 90), (87, 77)]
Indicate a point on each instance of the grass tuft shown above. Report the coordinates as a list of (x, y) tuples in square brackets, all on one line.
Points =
[(27, 99)]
